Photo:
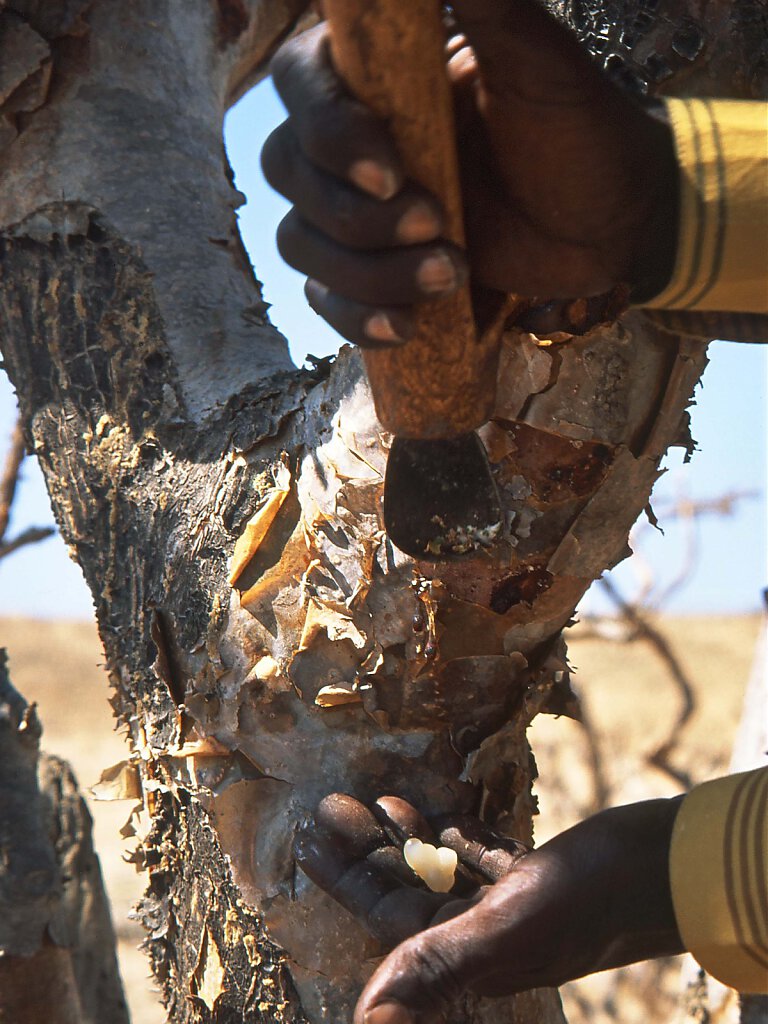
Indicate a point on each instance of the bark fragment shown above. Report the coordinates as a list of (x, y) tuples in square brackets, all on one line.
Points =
[(25, 71)]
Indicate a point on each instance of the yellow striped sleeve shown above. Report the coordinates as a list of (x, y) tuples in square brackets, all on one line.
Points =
[(719, 878), (722, 250)]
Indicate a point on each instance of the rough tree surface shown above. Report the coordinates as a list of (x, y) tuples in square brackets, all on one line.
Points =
[(170, 425), (57, 948)]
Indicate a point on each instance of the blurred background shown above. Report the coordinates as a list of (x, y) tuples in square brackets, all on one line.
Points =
[(663, 652)]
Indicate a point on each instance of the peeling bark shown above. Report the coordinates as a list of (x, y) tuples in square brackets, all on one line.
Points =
[(169, 424)]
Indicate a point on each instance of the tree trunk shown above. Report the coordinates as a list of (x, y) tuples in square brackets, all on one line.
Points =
[(169, 422), (57, 948)]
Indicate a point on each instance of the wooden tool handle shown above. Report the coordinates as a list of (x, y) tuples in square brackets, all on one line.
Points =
[(391, 55)]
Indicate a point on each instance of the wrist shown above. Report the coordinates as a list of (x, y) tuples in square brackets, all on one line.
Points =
[(656, 242), (640, 911)]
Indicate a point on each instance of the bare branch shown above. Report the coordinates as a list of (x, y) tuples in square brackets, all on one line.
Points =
[(644, 630), (10, 477), (721, 505), (688, 510), (690, 557), (601, 787), (30, 536)]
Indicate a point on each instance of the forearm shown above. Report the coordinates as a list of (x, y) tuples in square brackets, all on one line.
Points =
[(620, 859), (719, 878), (718, 283)]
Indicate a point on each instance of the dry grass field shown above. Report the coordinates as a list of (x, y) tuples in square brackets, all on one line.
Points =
[(630, 703)]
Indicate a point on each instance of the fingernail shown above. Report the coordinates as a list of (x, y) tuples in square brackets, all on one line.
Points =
[(455, 43), (418, 224), (314, 292), (389, 1013), (379, 328), (437, 273), (374, 178)]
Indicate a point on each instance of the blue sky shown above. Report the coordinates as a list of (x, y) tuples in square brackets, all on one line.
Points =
[(729, 422)]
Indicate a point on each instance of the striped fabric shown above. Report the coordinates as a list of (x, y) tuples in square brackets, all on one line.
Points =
[(722, 254), (719, 878), (709, 324)]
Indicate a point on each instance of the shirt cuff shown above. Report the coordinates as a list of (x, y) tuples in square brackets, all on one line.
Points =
[(722, 250), (717, 867)]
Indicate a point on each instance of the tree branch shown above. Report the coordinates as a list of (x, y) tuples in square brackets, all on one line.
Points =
[(30, 536), (644, 630), (10, 476)]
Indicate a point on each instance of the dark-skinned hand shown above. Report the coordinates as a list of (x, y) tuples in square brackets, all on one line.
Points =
[(594, 897), (569, 185)]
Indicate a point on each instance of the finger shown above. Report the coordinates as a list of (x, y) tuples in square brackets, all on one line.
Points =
[(390, 859), (390, 911), (396, 277), (512, 42), (422, 976), (340, 210), (401, 820), (366, 326), (479, 847), (356, 884), (335, 131), (462, 70), (457, 906), (351, 823), (405, 912), (322, 858), (455, 43)]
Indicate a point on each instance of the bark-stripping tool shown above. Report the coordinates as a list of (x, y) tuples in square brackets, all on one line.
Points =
[(433, 392)]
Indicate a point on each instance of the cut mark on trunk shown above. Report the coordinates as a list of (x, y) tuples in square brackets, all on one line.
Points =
[(523, 587)]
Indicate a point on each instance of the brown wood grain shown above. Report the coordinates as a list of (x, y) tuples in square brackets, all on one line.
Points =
[(442, 383)]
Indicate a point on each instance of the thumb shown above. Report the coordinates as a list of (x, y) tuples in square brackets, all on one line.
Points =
[(425, 974), (522, 49)]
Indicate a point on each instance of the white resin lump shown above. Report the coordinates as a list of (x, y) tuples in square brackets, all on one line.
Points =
[(434, 865)]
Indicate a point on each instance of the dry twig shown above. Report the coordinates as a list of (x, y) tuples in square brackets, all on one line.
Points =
[(644, 630), (634, 624), (8, 484), (690, 511), (30, 536), (10, 477), (601, 787)]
